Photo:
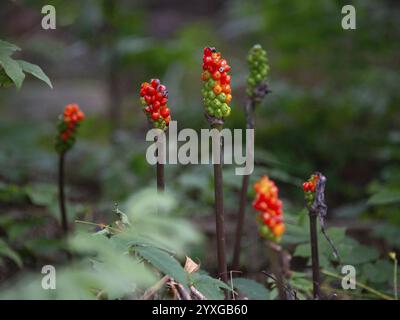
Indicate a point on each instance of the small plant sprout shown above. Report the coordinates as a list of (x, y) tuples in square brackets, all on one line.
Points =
[(154, 98), (217, 97), (256, 90), (271, 225), (68, 124)]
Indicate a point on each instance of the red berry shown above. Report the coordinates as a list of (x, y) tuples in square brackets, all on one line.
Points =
[(164, 111), (155, 116), (156, 105)]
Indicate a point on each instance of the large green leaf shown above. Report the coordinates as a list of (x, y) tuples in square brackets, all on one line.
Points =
[(35, 70), (12, 69), (164, 262), (251, 289)]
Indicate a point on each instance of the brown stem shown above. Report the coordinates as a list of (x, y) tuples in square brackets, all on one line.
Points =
[(219, 208), (314, 255), (160, 177), (61, 195), (240, 223), (249, 109), (159, 173), (219, 219), (274, 254)]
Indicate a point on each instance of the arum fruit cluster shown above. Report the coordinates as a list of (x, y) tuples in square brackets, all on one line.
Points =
[(217, 89), (154, 98), (67, 127), (309, 188), (269, 205), (258, 66)]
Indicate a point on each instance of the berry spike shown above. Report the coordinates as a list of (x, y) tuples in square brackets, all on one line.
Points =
[(67, 127), (154, 98), (309, 188), (217, 84), (269, 205), (258, 65)]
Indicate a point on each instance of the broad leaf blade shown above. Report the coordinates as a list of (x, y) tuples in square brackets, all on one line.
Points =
[(163, 262), (35, 70), (12, 69)]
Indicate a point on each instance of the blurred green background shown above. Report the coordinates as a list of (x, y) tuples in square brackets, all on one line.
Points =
[(333, 108)]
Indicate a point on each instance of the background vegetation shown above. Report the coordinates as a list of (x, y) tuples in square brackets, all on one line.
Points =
[(333, 108)]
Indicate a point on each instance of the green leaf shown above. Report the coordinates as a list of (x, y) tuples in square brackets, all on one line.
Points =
[(164, 262), (251, 289), (35, 70), (12, 69), (7, 47), (8, 252), (385, 197), (209, 286)]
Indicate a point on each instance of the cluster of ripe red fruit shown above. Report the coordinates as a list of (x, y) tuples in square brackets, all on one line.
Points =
[(217, 89), (309, 187), (154, 98), (72, 116), (311, 184), (268, 203)]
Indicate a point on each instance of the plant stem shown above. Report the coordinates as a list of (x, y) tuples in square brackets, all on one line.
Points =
[(243, 194), (219, 215), (61, 195), (395, 278), (159, 173), (314, 255), (240, 222), (274, 254), (160, 177)]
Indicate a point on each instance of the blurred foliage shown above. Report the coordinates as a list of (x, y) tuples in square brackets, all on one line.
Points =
[(333, 108)]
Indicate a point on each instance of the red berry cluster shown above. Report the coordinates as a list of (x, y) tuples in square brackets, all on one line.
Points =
[(309, 188), (67, 126), (217, 84), (154, 98), (268, 203)]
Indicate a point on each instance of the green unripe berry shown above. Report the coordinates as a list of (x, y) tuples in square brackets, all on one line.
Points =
[(222, 97)]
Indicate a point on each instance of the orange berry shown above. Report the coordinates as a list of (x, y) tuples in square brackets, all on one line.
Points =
[(226, 89), (217, 89), (228, 98)]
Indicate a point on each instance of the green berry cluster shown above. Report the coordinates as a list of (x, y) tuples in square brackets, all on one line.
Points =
[(258, 64)]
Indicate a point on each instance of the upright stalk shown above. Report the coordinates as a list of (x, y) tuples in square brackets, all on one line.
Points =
[(314, 255), (274, 254), (61, 195), (160, 177), (160, 173), (243, 194), (219, 217)]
